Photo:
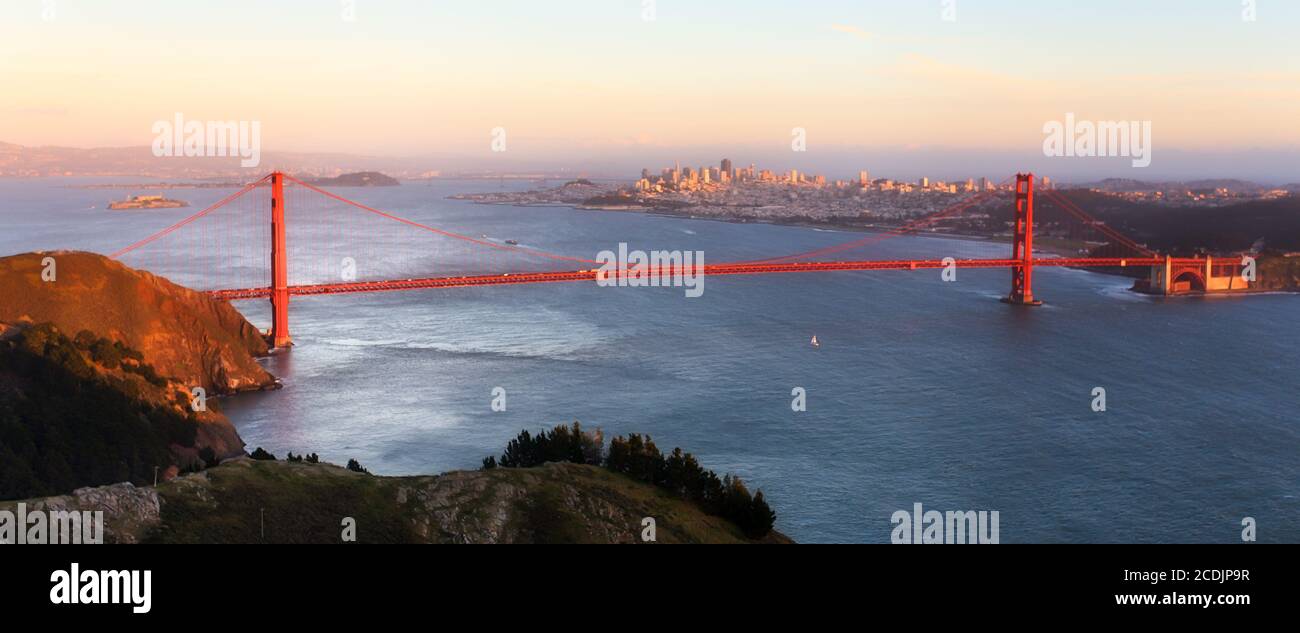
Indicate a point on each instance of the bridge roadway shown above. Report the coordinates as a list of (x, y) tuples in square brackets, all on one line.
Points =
[(741, 268)]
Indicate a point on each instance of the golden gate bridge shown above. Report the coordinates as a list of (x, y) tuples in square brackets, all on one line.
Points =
[(248, 232)]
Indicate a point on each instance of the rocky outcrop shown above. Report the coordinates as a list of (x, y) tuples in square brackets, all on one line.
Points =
[(184, 334), (1279, 272), (128, 511)]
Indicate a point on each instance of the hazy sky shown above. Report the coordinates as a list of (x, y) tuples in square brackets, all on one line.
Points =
[(577, 81)]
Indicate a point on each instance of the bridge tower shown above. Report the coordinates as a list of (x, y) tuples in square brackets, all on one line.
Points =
[(1022, 246), (279, 266)]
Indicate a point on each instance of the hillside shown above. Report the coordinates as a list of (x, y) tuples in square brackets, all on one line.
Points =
[(306, 503), (359, 179), (1279, 273), (183, 333), (84, 410), (97, 366), (1187, 230)]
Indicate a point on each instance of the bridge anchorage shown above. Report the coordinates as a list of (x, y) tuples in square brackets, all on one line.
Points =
[(330, 229)]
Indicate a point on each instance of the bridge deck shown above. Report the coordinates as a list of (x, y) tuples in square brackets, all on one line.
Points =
[(712, 269)]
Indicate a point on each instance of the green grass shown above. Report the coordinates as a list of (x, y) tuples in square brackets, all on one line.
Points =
[(248, 501), (306, 503)]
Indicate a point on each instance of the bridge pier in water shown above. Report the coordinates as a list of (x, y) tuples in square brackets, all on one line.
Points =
[(279, 266), (1022, 245)]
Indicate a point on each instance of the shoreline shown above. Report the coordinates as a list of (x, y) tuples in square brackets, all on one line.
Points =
[(822, 226), (819, 226)]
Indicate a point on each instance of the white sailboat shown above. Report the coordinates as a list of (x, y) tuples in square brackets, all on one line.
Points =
[(814, 341)]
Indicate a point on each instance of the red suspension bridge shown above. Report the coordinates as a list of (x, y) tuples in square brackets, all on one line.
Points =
[(246, 236)]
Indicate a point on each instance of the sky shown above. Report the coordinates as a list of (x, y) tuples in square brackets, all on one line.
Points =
[(883, 84)]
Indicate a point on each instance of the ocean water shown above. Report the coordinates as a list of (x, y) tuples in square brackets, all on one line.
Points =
[(922, 391)]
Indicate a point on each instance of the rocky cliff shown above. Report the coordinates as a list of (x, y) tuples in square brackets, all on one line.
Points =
[(98, 363), (182, 333)]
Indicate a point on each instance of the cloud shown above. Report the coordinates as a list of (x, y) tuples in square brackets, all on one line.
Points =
[(852, 30)]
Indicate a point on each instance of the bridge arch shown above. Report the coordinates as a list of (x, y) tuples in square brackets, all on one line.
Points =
[(1187, 281)]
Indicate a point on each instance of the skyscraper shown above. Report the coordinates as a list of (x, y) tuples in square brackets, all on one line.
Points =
[(726, 166)]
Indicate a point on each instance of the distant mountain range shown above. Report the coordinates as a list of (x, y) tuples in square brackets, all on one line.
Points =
[(19, 160), (1130, 185), (27, 161), (24, 161)]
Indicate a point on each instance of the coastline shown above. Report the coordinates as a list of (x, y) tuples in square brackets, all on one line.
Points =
[(838, 228), (820, 226)]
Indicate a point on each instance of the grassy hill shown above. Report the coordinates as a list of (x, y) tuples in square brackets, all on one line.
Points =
[(253, 501)]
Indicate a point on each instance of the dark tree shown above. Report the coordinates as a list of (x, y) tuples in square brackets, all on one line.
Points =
[(638, 457)]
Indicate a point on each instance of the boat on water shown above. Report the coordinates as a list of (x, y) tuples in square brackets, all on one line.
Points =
[(814, 342), (512, 242)]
